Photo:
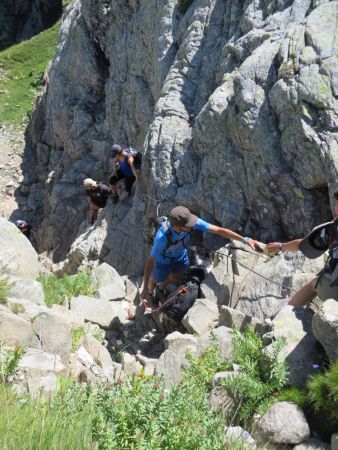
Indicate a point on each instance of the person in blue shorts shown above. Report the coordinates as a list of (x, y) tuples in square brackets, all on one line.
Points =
[(124, 168), (168, 260)]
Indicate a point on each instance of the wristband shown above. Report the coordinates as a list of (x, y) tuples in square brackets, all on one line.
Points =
[(245, 240), (280, 246)]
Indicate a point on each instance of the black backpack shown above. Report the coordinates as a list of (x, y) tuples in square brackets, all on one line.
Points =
[(178, 303), (165, 224), (136, 155)]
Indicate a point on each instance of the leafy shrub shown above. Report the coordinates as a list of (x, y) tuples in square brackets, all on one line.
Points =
[(37, 81), (320, 393), (144, 415), (56, 290), (323, 391), (9, 360), (201, 370), (262, 376)]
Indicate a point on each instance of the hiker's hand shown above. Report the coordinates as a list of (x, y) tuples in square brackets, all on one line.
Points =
[(251, 243), (274, 246), (259, 247), (144, 294)]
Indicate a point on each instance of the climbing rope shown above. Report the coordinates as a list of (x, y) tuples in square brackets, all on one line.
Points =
[(251, 270)]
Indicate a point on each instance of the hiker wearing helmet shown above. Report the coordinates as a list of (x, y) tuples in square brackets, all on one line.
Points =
[(97, 194), (168, 260), (321, 238), (124, 168)]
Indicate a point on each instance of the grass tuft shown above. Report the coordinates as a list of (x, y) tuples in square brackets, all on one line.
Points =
[(56, 290), (4, 291)]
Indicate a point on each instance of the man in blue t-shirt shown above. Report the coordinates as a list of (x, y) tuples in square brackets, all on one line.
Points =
[(168, 260)]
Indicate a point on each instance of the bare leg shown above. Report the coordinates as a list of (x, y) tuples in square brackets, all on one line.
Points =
[(113, 188), (304, 295), (152, 284), (92, 214)]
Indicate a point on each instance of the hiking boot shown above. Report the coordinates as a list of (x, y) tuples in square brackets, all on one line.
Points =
[(159, 294), (115, 199)]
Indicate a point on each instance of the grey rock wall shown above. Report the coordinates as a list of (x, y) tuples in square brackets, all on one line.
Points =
[(234, 105)]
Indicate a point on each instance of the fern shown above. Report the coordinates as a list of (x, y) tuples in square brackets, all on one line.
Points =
[(262, 376), (9, 360)]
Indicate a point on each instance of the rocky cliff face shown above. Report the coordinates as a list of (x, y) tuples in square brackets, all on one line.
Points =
[(22, 19), (234, 105)]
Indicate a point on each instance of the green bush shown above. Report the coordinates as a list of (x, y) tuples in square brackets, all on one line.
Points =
[(9, 360), (201, 370), (323, 391), (56, 290), (138, 414), (319, 394), (262, 377)]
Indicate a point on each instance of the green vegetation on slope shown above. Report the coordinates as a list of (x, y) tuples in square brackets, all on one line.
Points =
[(320, 393), (140, 413), (21, 72), (56, 290)]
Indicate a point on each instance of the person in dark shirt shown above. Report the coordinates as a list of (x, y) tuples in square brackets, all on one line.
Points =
[(124, 168), (97, 195)]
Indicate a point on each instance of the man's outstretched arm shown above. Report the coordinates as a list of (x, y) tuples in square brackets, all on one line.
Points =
[(229, 234)]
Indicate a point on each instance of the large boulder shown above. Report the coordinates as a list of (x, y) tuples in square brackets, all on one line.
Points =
[(325, 327), (101, 312), (275, 279), (221, 336), (201, 316), (54, 334), (25, 288), (283, 423), (110, 285), (174, 357), (38, 371), (301, 351), (17, 256), (25, 309), (16, 331), (98, 352)]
